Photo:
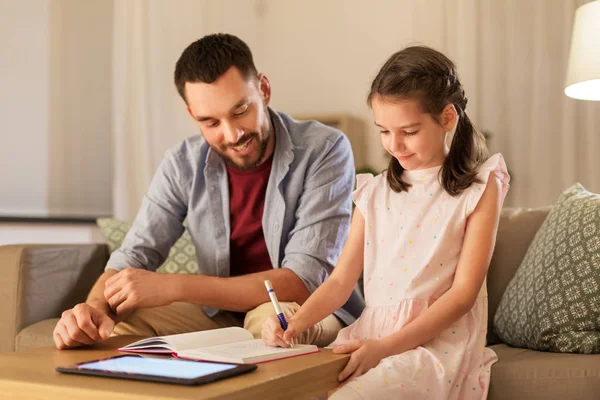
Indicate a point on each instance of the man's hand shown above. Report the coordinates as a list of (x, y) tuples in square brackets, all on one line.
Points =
[(366, 354), (137, 288), (81, 325)]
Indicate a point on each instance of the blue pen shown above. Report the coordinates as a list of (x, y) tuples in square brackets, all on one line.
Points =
[(275, 302), (278, 309)]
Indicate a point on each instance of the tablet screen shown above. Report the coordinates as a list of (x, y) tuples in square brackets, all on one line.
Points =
[(165, 367)]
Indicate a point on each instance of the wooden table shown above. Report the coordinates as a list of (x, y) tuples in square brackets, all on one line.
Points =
[(31, 374)]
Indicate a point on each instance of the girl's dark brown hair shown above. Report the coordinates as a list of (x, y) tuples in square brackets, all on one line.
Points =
[(426, 75)]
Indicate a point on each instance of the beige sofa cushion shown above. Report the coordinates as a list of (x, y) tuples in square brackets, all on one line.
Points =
[(515, 232), (36, 335), (531, 375)]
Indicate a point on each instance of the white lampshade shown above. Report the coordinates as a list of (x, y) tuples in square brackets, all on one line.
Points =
[(583, 73)]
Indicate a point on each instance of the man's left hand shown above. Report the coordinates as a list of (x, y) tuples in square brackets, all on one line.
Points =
[(135, 288)]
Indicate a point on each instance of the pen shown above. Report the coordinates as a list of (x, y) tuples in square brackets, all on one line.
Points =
[(278, 309)]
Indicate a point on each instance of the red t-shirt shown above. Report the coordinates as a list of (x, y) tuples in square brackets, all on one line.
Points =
[(247, 245)]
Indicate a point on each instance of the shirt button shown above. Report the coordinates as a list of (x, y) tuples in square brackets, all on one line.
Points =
[(219, 232), (276, 225)]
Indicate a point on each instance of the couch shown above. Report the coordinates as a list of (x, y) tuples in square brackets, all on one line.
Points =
[(38, 282)]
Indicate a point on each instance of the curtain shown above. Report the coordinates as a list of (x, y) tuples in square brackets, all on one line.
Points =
[(321, 57), (512, 58), (148, 115)]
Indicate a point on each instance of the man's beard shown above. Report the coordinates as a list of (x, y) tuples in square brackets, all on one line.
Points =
[(262, 150)]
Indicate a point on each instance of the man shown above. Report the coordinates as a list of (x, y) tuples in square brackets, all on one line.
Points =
[(265, 197)]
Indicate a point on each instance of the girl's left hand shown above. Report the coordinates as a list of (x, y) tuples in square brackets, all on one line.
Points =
[(366, 354)]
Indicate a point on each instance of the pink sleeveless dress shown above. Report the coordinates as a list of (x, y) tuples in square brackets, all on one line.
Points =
[(413, 242)]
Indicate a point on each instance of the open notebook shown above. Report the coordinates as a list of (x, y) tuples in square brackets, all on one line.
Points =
[(233, 345)]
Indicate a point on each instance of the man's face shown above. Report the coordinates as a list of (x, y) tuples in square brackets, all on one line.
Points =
[(233, 117)]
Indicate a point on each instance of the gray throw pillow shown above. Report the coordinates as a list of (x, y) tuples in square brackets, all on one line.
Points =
[(553, 301)]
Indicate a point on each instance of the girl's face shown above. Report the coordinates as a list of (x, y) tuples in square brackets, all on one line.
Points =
[(411, 136)]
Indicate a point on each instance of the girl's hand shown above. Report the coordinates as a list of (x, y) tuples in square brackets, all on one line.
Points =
[(273, 335), (292, 331), (366, 354)]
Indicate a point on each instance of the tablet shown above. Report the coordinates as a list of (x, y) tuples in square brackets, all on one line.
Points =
[(167, 370)]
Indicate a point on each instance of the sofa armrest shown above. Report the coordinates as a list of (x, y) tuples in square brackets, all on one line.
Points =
[(41, 281)]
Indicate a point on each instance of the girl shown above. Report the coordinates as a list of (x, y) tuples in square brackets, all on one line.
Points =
[(424, 232)]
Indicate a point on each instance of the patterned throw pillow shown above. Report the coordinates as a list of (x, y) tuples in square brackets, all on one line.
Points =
[(553, 301), (182, 256)]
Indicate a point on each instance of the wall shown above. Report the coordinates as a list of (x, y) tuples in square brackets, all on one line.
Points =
[(321, 56), (49, 233), (55, 142), (80, 147), (55, 114), (24, 108)]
